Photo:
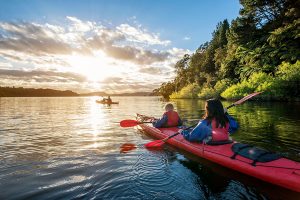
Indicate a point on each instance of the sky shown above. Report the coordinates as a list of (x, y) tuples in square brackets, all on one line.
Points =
[(114, 46)]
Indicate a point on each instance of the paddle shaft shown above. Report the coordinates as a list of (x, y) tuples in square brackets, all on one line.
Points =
[(243, 99), (232, 105), (178, 132)]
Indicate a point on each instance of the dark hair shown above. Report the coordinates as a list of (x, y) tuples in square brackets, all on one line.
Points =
[(214, 110)]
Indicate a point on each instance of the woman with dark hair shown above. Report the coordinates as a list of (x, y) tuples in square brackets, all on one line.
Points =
[(215, 126)]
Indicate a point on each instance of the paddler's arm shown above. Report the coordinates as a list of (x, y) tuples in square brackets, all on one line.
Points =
[(160, 122), (199, 133), (233, 125)]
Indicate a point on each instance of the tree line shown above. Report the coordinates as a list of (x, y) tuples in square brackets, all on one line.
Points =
[(31, 92), (257, 51)]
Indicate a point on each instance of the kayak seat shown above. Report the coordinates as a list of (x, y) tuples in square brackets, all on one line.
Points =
[(210, 141), (253, 153)]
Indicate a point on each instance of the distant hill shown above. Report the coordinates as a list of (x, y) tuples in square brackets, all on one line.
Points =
[(31, 92)]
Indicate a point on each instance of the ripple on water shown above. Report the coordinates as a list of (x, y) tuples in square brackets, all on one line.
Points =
[(151, 173)]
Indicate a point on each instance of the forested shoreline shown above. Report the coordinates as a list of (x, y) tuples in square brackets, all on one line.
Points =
[(258, 51), (32, 92), (40, 92)]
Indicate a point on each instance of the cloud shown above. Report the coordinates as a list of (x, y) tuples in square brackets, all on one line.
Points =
[(134, 34), (5, 65), (110, 41), (186, 38), (124, 42), (31, 39), (150, 70), (79, 26), (45, 50), (41, 76), (138, 56)]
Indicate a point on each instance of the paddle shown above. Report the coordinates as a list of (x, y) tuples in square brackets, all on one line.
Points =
[(244, 99), (159, 143), (127, 147), (130, 123)]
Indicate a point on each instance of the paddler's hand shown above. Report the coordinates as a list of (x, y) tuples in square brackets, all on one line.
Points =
[(153, 119)]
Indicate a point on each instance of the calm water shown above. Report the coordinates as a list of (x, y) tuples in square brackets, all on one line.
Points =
[(69, 148)]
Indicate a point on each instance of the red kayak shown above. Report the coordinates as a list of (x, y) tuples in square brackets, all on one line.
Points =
[(267, 166)]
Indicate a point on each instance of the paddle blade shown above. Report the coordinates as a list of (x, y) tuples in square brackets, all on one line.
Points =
[(155, 144), (128, 123), (246, 98), (125, 148)]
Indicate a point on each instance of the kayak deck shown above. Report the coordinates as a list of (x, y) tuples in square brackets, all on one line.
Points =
[(282, 172)]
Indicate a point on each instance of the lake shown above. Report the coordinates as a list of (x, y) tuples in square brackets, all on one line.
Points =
[(69, 148)]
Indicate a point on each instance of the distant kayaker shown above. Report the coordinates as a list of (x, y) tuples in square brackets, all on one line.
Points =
[(169, 119), (109, 99), (215, 126)]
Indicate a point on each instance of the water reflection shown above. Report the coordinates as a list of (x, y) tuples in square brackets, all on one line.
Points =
[(68, 148)]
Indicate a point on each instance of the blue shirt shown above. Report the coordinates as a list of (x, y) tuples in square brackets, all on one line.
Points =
[(204, 129)]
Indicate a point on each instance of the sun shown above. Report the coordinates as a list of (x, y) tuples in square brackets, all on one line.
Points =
[(94, 68)]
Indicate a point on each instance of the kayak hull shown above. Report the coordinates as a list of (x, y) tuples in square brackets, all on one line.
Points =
[(103, 102), (282, 172)]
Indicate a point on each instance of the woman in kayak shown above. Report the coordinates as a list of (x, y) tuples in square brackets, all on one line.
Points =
[(169, 119), (215, 126)]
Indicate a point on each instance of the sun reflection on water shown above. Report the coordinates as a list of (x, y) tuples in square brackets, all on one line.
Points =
[(97, 120)]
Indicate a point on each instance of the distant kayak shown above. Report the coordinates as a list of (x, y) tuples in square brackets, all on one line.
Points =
[(106, 102), (247, 159)]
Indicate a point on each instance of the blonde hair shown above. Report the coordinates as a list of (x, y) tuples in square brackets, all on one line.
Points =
[(169, 107)]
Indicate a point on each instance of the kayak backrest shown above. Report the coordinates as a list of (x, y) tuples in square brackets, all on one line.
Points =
[(209, 141)]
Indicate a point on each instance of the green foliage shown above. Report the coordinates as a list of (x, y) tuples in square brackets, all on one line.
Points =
[(262, 12), (289, 72), (284, 86), (258, 51), (254, 83), (288, 76), (166, 89), (286, 40), (188, 92), (208, 92), (221, 86)]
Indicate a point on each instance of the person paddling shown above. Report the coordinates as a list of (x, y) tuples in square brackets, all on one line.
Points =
[(215, 126), (108, 100), (169, 119)]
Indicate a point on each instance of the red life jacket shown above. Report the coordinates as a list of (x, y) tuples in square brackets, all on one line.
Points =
[(173, 118), (219, 134)]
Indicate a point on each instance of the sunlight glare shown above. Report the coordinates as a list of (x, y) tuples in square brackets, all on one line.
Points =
[(95, 68)]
